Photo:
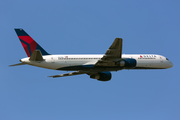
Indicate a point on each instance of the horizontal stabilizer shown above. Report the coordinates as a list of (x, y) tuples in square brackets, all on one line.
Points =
[(17, 64), (36, 56)]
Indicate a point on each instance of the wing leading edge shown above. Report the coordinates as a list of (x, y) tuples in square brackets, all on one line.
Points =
[(68, 74), (101, 76), (113, 54)]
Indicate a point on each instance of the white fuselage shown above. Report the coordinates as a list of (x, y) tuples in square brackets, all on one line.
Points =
[(144, 61), (96, 66)]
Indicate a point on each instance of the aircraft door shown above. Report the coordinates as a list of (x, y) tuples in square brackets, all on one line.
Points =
[(161, 59), (52, 60)]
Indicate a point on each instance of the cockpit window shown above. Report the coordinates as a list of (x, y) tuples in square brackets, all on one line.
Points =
[(167, 59)]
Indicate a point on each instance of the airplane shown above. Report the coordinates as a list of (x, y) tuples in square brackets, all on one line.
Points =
[(97, 66)]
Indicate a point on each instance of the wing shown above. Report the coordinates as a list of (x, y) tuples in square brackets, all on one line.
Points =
[(69, 74), (112, 54)]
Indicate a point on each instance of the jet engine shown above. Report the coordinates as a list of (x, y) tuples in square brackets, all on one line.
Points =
[(127, 63), (102, 76)]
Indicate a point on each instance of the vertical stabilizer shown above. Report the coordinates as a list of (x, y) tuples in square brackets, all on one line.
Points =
[(28, 43)]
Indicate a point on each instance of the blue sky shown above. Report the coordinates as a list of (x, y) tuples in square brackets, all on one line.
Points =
[(89, 27)]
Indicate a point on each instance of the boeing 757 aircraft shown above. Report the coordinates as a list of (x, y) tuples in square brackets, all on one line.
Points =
[(96, 66)]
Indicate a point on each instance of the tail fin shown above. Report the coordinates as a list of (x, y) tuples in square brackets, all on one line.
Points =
[(28, 43)]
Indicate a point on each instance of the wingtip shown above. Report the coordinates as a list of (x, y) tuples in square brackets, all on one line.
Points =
[(51, 76)]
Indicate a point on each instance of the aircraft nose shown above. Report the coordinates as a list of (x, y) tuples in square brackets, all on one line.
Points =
[(170, 65)]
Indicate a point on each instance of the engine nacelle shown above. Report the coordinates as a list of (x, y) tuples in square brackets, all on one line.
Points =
[(102, 76), (127, 63), (122, 63)]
